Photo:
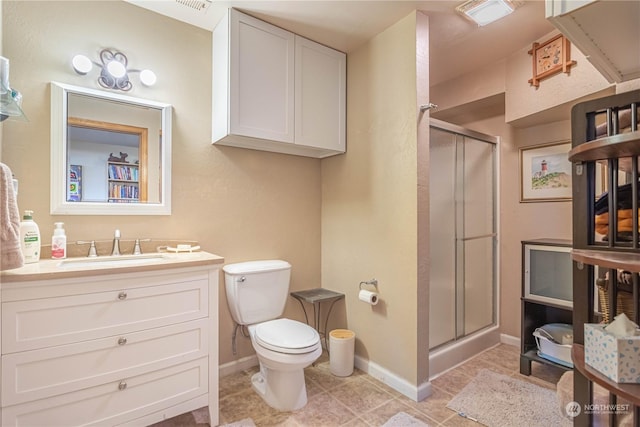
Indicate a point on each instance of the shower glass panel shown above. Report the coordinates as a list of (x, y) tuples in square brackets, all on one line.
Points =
[(462, 233), (442, 230)]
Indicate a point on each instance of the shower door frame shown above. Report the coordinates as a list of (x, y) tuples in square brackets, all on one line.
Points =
[(457, 131)]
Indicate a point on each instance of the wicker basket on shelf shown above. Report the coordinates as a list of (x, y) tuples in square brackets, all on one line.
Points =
[(623, 297)]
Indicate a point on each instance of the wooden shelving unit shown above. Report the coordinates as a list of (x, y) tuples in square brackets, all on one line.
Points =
[(630, 392), (629, 261), (621, 145), (612, 254)]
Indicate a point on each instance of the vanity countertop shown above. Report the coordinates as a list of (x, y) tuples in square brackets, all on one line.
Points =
[(49, 269)]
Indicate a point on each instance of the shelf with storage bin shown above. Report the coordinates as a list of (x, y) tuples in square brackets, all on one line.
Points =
[(546, 294), (534, 315), (124, 184)]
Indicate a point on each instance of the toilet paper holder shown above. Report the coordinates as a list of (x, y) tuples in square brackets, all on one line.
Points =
[(369, 296), (372, 282)]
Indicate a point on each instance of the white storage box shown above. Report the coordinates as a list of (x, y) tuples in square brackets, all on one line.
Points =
[(554, 343), (616, 358)]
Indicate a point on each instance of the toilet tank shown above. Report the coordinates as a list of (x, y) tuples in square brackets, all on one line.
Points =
[(257, 290)]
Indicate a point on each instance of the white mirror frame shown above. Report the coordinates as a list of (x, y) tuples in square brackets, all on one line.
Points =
[(59, 203)]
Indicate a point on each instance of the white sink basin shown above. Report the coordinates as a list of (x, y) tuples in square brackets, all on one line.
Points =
[(113, 261)]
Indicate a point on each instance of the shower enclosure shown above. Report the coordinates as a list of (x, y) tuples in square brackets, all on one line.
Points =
[(463, 243)]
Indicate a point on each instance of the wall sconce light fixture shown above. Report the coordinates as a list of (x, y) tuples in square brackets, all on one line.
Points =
[(114, 73)]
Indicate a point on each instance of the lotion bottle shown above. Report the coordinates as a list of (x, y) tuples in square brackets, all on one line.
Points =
[(59, 242), (29, 238)]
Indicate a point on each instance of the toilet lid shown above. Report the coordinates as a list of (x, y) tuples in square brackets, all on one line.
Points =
[(286, 336)]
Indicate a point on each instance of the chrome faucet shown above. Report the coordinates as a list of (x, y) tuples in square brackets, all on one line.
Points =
[(92, 247), (116, 244), (137, 249)]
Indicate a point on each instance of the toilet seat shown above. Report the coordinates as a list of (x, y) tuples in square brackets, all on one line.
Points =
[(286, 336)]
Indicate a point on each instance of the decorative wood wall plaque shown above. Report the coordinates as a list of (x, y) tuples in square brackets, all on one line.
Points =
[(550, 57)]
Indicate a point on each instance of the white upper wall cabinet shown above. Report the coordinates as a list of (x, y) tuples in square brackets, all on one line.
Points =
[(275, 91), (606, 32), (257, 96), (320, 89)]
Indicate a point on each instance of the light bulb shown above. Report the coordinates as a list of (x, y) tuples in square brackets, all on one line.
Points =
[(148, 77), (116, 69), (81, 64)]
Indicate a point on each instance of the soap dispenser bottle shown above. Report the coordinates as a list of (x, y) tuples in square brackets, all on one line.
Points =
[(29, 238), (59, 242)]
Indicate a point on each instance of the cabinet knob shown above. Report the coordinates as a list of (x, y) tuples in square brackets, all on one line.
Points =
[(122, 341), (122, 296), (122, 385)]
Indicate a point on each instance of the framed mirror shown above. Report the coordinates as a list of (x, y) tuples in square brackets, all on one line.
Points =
[(110, 153)]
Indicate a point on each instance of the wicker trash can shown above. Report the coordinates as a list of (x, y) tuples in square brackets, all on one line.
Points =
[(624, 300)]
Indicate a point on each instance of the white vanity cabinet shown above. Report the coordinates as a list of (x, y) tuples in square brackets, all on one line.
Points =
[(110, 349), (276, 91)]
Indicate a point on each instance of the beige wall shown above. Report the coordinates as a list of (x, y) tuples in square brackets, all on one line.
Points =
[(561, 88), (369, 202), (240, 204), (476, 86), (525, 221)]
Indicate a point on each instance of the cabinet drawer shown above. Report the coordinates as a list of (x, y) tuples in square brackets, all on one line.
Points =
[(48, 322), (114, 402), (37, 374)]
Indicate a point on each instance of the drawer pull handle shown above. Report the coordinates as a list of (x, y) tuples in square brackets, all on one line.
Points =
[(122, 341), (122, 295), (122, 385)]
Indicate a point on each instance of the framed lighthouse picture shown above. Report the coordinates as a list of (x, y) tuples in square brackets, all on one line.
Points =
[(545, 173)]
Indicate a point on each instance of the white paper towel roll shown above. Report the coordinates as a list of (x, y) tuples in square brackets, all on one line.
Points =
[(368, 297)]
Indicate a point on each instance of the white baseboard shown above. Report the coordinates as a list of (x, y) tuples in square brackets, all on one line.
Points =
[(510, 340), (397, 383), (238, 365)]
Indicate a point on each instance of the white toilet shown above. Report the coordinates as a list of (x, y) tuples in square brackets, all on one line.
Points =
[(257, 292)]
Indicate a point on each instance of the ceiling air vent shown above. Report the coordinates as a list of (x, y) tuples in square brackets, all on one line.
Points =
[(198, 5)]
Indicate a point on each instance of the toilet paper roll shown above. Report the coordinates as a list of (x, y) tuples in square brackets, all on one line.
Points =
[(368, 297)]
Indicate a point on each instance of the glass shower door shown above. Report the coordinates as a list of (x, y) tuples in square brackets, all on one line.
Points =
[(477, 240), (462, 235), (442, 232)]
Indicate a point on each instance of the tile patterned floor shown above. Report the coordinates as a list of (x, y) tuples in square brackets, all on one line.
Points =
[(361, 400)]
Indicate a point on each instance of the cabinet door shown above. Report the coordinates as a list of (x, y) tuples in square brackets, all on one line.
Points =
[(320, 96), (261, 79)]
